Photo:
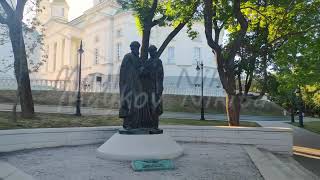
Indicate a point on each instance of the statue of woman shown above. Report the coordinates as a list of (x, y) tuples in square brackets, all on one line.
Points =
[(153, 73)]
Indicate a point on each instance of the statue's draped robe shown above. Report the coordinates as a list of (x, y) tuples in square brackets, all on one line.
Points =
[(153, 85), (134, 107)]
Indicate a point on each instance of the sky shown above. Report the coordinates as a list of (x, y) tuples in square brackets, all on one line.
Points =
[(77, 7)]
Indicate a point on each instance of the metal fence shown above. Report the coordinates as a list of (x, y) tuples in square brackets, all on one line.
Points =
[(106, 87)]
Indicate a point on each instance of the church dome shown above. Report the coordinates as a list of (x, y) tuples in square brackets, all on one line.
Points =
[(59, 9), (59, 1)]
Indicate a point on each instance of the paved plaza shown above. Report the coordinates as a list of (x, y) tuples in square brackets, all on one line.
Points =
[(200, 162)]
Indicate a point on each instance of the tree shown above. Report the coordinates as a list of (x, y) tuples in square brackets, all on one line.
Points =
[(311, 97), (12, 14), (282, 93), (151, 13), (291, 44), (257, 32), (218, 14)]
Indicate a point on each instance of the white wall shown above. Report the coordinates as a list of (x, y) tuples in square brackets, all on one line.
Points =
[(277, 140), (104, 23)]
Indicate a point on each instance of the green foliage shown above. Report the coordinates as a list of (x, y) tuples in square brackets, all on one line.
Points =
[(168, 12), (297, 54), (311, 98), (282, 39), (281, 93), (151, 13)]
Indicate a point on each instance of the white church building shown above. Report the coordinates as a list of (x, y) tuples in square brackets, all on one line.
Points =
[(106, 31)]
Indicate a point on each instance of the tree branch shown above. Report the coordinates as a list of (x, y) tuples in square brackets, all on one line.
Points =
[(6, 7), (235, 45), (156, 22), (214, 45), (284, 37), (176, 30), (258, 11), (286, 13), (173, 33), (208, 15), (20, 7), (3, 20), (153, 7)]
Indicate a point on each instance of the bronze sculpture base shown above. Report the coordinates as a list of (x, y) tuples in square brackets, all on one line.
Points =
[(140, 131)]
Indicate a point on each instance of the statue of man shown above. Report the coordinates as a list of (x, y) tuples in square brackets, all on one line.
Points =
[(134, 106), (153, 71)]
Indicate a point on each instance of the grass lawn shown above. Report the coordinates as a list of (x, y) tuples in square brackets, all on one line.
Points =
[(313, 126), (63, 120)]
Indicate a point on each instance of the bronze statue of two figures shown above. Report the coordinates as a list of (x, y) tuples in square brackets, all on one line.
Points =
[(141, 86)]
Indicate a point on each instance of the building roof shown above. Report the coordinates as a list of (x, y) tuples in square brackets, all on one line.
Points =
[(60, 2), (94, 9)]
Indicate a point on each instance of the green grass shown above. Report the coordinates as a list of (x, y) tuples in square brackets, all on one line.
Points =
[(171, 103), (62, 120), (204, 123), (313, 126)]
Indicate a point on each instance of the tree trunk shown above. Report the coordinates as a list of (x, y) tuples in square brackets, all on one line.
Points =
[(292, 115), (233, 107), (14, 107), (239, 83), (21, 69), (145, 42)]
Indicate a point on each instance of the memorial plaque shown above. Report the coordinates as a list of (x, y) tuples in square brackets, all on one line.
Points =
[(152, 165)]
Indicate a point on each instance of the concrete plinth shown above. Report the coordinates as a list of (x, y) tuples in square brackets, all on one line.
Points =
[(140, 147)]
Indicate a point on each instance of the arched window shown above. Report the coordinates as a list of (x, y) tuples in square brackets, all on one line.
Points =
[(96, 39), (196, 55), (96, 56), (54, 57), (119, 51), (171, 54)]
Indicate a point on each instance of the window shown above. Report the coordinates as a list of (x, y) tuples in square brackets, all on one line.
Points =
[(62, 12), (119, 33), (58, 12), (96, 39), (62, 51), (54, 57), (96, 56), (170, 55), (47, 58), (119, 51), (196, 54)]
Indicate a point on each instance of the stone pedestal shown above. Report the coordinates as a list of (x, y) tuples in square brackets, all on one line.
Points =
[(140, 147)]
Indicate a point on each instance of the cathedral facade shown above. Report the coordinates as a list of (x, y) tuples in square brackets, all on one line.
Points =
[(106, 31)]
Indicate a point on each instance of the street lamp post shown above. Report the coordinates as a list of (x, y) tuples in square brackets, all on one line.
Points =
[(78, 111), (200, 67), (300, 106)]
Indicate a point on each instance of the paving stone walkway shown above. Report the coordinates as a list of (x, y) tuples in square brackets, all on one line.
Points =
[(200, 162), (306, 145)]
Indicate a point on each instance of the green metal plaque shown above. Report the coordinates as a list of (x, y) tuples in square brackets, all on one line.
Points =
[(152, 165)]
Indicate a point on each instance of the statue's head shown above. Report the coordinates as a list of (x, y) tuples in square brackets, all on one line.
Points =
[(153, 51), (135, 46)]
